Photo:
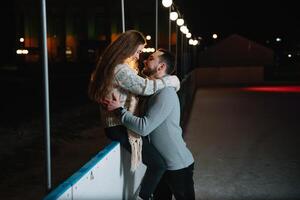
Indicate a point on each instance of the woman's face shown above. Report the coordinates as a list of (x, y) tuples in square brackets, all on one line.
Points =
[(136, 55)]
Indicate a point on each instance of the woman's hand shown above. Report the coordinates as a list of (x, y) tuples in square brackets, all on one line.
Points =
[(111, 104)]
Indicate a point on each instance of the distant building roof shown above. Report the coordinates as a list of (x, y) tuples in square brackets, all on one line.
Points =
[(236, 50)]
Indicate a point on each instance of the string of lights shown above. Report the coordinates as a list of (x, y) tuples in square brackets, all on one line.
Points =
[(175, 15)]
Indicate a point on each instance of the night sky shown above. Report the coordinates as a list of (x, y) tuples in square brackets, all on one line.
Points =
[(257, 20), (261, 21)]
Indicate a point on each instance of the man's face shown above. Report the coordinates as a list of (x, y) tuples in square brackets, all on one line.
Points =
[(152, 63)]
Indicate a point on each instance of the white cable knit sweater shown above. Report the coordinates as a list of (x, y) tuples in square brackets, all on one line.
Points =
[(127, 85)]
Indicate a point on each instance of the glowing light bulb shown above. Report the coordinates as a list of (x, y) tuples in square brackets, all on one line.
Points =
[(173, 16), (179, 21), (167, 3)]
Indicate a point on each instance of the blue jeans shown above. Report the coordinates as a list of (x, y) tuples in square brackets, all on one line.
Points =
[(156, 166)]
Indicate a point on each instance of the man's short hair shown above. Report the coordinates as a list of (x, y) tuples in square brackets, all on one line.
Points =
[(168, 58)]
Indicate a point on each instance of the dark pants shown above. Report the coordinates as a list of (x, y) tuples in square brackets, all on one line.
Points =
[(179, 183), (118, 133), (151, 158)]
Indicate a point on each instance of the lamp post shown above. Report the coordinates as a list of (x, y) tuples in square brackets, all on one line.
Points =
[(46, 93), (170, 30), (123, 16), (156, 24), (168, 4)]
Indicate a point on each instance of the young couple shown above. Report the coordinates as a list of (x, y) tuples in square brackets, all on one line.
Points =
[(149, 129)]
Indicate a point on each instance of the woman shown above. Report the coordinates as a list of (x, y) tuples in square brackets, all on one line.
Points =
[(115, 74)]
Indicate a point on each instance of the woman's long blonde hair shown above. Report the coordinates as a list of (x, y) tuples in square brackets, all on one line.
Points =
[(116, 53)]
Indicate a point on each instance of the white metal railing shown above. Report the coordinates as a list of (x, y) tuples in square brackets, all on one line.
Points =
[(106, 176)]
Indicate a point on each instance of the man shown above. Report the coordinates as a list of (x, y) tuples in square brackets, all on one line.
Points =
[(161, 121)]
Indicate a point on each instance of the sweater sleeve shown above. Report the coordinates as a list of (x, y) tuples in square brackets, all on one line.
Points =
[(159, 107), (127, 79)]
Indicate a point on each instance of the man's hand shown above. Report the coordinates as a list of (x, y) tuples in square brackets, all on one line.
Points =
[(111, 104)]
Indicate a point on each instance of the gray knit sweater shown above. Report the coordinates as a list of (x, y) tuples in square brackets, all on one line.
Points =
[(127, 85), (161, 122)]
